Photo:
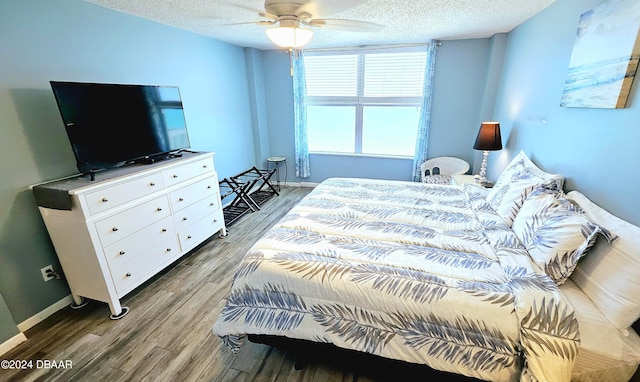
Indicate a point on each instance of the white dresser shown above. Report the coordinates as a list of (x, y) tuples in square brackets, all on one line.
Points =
[(124, 227)]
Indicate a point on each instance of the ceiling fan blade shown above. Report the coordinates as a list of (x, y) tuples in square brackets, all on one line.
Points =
[(256, 11), (321, 9), (265, 22), (346, 25), (246, 8), (267, 15)]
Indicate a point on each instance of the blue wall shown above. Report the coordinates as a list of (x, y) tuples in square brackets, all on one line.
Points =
[(460, 83), (43, 40), (596, 149)]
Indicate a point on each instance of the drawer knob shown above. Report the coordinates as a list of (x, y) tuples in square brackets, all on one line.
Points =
[(114, 229), (128, 274), (211, 204), (105, 199), (181, 199), (174, 176), (168, 249), (152, 184), (204, 166), (189, 237), (122, 253), (208, 187), (159, 209), (164, 230), (184, 219)]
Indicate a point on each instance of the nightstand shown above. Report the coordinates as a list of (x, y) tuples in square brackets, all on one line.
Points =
[(462, 179), (467, 179)]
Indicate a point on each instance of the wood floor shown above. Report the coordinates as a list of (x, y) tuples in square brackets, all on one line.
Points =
[(167, 334)]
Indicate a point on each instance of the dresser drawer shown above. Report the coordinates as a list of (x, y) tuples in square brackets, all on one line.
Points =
[(139, 243), (133, 272), (181, 173), (194, 192), (195, 233), (113, 196), (123, 224), (196, 211)]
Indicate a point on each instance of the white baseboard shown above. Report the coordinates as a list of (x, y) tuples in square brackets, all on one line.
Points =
[(31, 322), (297, 184), (41, 316), (12, 342), (282, 184)]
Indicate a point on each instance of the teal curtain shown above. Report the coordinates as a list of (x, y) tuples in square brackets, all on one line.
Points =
[(300, 115), (424, 125)]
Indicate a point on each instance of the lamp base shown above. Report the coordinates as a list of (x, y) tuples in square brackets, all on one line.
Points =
[(481, 177)]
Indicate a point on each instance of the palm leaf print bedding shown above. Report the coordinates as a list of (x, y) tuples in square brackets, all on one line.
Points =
[(423, 273)]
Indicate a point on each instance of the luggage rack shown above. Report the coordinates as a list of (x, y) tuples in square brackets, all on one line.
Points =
[(250, 189)]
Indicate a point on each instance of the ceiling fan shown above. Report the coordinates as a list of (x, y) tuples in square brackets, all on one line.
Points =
[(292, 20)]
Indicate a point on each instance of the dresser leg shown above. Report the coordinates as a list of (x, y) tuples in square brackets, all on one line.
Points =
[(117, 311), (123, 312), (78, 302)]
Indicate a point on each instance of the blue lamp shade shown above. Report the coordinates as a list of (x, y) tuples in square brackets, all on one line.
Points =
[(488, 138)]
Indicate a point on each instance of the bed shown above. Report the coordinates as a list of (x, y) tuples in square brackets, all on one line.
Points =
[(490, 284)]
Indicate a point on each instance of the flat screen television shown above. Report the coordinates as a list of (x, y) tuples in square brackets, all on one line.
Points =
[(110, 125)]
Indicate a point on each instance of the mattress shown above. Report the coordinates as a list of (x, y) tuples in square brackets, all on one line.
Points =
[(606, 353)]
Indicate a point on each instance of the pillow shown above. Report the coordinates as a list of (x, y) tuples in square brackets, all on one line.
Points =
[(597, 334), (555, 232), (437, 179), (610, 275), (517, 180)]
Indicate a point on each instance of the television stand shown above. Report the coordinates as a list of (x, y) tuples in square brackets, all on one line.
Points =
[(114, 234)]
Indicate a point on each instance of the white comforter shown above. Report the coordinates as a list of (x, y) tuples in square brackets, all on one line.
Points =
[(417, 272)]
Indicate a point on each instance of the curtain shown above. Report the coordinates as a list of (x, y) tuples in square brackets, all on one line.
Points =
[(424, 124), (300, 115)]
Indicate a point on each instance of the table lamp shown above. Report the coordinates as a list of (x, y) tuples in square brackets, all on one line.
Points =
[(488, 139)]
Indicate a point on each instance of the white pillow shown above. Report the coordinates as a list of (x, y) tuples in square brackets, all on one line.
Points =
[(597, 334), (610, 274), (519, 178)]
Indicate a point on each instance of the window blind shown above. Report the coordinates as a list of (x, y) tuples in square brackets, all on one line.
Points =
[(372, 74), (394, 74), (331, 75)]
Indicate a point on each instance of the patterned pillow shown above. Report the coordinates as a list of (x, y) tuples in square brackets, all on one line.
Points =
[(555, 232), (436, 179), (516, 182)]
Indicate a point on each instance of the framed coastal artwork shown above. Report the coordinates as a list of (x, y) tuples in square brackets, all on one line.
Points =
[(605, 56)]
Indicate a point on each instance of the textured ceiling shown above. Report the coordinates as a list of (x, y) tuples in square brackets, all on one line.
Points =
[(404, 21)]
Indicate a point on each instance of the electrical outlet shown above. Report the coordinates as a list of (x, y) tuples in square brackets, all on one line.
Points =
[(49, 276)]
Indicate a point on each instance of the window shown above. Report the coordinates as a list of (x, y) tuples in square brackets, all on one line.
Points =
[(364, 102)]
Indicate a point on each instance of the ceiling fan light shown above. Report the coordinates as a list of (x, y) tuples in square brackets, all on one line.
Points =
[(290, 37)]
